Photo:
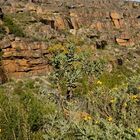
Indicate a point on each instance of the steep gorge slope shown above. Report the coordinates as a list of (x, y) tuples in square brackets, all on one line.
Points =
[(27, 30)]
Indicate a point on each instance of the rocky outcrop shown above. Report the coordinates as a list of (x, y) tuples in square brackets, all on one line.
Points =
[(22, 58), (111, 19), (102, 21)]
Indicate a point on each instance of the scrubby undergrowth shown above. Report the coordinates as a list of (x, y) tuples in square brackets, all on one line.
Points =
[(80, 100), (31, 109)]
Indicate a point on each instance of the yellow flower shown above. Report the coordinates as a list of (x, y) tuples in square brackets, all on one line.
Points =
[(139, 87), (110, 119), (96, 122), (99, 82), (138, 130), (134, 97), (87, 118), (113, 100), (119, 75), (0, 130), (125, 104)]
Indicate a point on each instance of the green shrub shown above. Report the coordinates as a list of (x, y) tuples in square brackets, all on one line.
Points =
[(14, 29), (114, 114), (21, 115), (72, 65), (29, 109), (2, 32)]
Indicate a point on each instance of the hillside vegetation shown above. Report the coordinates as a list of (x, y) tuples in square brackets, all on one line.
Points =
[(69, 70), (80, 100)]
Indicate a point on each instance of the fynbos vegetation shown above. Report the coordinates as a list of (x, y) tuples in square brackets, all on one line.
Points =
[(69, 70), (77, 101)]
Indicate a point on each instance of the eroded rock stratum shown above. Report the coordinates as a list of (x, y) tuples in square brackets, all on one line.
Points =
[(29, 28)]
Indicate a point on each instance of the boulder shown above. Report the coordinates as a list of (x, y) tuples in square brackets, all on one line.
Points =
[(115, 15), (124, 42)]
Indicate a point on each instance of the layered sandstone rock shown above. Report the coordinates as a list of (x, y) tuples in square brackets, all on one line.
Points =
[(112, 21), (23, 58)]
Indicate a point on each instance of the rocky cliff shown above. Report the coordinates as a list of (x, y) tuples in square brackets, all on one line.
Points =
[(27, 29)]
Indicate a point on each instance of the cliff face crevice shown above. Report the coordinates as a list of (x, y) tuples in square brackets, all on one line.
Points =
[(42, 22)]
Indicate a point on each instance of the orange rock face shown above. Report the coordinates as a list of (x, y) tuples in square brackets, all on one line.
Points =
[(115, 21), (115, 15), (24, 58), (124, 42)]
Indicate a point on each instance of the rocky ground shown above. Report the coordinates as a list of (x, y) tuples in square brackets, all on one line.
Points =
[(27, 29)]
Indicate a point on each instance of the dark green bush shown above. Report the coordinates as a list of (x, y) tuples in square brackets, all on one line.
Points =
[(30, 110), (14, 29), (21, 115), (2, 32)]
